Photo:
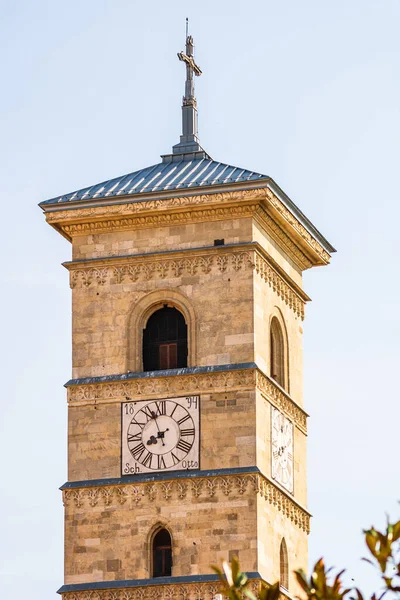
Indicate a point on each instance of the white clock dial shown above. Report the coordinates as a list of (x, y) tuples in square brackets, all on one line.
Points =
[(160, 435), (282, 450)]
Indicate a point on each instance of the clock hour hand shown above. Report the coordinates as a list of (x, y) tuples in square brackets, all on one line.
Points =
[(160, 434)]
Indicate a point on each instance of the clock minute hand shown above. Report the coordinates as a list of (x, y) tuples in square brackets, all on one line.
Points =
[(161, 437)]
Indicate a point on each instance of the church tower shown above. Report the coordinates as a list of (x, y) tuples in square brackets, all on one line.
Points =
[(186, 426)]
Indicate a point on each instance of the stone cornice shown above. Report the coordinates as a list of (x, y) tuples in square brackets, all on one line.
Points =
[(209, 381), (280, 399), (301, 260), (161, 219), (218, 486), (119, 209), (286, 217), (165, 476), (192, 587), (130, 269), (189, 209)]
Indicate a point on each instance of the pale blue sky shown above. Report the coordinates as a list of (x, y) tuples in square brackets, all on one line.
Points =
[(306, 92)]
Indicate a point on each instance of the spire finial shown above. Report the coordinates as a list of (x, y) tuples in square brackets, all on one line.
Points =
[(189, 141)]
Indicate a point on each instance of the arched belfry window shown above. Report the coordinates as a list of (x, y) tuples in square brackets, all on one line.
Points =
[(162, 554), (284, 565), (165, 343), (277, 352)]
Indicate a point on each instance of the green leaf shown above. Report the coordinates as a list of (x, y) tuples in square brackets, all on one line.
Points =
[(235, 569), (396, 531), (250, 594), (371, 542), (228, 573)]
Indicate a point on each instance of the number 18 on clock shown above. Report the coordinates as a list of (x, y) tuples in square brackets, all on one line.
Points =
[(160, 435)]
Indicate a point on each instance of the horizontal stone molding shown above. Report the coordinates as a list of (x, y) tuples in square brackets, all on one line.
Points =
[(159, 220), (118, 270), (302, 261), (228, 486), (280, 399), (279, 285), (149, 206), (160, 267), (300, 229), (208, 381), (137, 388), (201, 590), (120, 215)]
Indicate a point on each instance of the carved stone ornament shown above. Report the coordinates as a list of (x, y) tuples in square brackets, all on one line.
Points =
[(228, 487), (119, 217), (267, 223), (167, 204), (280, 400), (277, 204), (139, 389), (124, 270), (177, 591), (160, 220)]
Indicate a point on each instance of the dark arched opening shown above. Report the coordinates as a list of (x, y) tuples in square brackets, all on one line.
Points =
[(162, 554), (165, 343), (284, 565), (277, 353)]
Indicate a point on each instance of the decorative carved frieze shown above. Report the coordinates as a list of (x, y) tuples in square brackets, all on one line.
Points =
[(144, 206), (267, 223), (180, 210), (175, 591), (229, 486), (135, 389), (287, 215), (143, 269), (279, 285), (278, 398), (159, 220), (161, 268)]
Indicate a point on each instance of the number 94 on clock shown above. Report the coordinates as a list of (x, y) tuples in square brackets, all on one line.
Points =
[(160, 435)]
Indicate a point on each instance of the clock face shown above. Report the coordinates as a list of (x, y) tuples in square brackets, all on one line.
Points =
[(160, 435), (282, 450)]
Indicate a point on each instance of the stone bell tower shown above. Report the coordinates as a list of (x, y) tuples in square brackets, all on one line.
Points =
[(186, 426)]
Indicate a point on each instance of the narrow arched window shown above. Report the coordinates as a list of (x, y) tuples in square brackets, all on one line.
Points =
[(284, 565), (277, 352), (165, 343), (162, 554)]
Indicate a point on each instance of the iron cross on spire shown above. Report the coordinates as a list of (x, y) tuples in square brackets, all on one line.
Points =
[(191, 67), (189, 141)]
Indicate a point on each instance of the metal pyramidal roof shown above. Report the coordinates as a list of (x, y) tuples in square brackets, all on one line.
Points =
[(188, 166), (179, 172)]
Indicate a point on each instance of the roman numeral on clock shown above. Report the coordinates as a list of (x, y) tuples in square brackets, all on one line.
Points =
[(175, 459), (184, 446), (161, 462), (175, 407), (134, 438), (161, 407), (146, 462), (138, 450), (187, 432), (146, 410), (183, 419)]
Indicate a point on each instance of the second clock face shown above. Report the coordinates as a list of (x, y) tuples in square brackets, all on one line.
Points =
[(282, 450), (160, 435)]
